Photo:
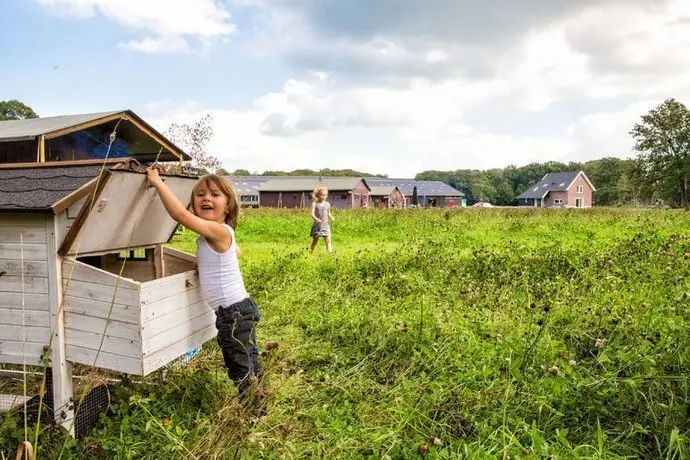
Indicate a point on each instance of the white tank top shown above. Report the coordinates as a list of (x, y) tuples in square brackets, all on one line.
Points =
[(219, 273)]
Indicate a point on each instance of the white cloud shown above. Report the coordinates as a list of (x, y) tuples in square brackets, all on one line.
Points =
[(317, 124), (401, 123), (396, 87), (169, 24), (434, 56), (159, 45)]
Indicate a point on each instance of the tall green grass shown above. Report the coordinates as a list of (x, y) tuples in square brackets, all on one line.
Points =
[(464, 333)]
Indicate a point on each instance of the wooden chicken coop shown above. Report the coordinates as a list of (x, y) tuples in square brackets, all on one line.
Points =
[(85, 276)]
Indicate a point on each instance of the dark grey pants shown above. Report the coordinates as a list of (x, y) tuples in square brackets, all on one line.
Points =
[(236, 326)]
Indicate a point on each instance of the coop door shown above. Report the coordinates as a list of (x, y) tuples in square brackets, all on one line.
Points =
[(126, 213)]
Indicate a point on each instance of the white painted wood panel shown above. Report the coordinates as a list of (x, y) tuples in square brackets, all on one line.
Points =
[(105, 360), (92, 341), (36, 334), (31, 301), (171, 328), (129, 213), (31, 268), (29, 234), (12, 352), (31, 284), (100, 292), (175, 261), (102, 309), (32, 251), (163, 288), (31, 317), (174, 350), (75, 270), (62, 368), (172, 318), (170, 305), (115, 328)]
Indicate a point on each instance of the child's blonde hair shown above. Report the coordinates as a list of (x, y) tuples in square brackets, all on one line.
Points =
[(228, 190), (320, 190)]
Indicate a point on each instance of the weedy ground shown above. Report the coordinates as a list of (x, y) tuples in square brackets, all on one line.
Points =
[(487, 333)]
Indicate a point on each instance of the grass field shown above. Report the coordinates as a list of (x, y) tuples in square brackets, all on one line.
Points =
[(471, 333)]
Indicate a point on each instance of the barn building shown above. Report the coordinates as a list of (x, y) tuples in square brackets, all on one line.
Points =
[(386, 196), (430, 193), (291, 192), (247, 188)]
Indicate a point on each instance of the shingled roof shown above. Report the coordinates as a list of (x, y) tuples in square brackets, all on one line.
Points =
[(289, 184), (424, 187), (37, 189), (551, 182)]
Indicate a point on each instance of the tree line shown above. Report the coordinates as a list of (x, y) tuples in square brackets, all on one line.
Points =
[(659, 174), (501, 186)]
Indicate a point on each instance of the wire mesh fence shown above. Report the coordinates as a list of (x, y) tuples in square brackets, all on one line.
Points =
[(20, 394), (20, 397)]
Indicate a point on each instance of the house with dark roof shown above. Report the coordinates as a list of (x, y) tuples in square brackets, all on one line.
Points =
[(296, 192), (83, 249), (559, 190), (386, 196), (430, 193), (247, 188)]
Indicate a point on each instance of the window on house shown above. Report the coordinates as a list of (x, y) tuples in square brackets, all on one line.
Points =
[(343, 196), (579, 203), (558, 201), (580, 189), (134, 254)]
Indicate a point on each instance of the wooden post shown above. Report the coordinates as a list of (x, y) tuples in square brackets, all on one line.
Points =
[(159, 261), (42, 149), (62, 369)]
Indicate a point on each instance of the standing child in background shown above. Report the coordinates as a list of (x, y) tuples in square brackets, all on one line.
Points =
[(321, 213), (215, 209)]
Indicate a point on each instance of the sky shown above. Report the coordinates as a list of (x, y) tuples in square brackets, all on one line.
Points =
[(383, 86)]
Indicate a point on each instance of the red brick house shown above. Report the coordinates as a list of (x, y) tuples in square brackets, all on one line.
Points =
[(343, 192), (559, 190)]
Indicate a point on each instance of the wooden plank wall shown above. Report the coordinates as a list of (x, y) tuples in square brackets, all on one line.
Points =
[(90, 299), (174, 319), (36, 291), (66, 218), (175, 261), (139, 270)]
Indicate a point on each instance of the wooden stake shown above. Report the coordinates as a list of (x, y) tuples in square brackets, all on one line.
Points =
[(42, 149)]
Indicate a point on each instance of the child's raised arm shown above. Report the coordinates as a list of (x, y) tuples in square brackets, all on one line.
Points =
[(211, 230)]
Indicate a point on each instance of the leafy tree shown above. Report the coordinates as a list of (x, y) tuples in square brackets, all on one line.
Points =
[(15, 110), (193, 139), (662, 140), (240, 172), (482, 189)]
